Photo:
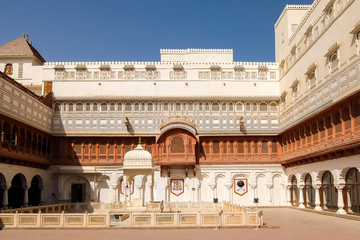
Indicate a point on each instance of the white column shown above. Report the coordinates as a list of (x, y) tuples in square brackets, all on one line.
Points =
[(253, 188), (5, 199), (212, 195), (340, 203), (301, 197), (228, 192), (114, 187), (288, 195), (269, 199), (26, 196), (317, 198)]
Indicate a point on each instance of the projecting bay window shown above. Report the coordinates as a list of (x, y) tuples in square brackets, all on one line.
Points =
[(308, 36), (80, 71), (151, 72), (356, 33), (215, 72), (329, 11), (311, 76), (262, 72), (333, 58), (129, 72), (59, 72), (295, 89), (104, 71), (178, 73), (239, 72)]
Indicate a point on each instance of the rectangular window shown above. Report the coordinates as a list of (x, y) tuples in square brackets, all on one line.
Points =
[(21, 70)]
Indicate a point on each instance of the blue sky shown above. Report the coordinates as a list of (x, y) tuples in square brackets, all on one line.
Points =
[(136, 30)]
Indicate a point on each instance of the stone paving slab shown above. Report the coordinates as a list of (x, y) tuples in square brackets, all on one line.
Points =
[(280, 223)]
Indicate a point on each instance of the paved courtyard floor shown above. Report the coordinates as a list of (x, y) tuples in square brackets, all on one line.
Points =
[(281, 223)]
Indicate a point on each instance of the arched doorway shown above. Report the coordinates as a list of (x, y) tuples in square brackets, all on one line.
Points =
[(294, 192), (35, 191), (353, 191), (309, 192), (17, 191), (328, 192)]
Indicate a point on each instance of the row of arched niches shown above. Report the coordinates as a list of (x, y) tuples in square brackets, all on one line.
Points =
[(328, 191), (20, 193)]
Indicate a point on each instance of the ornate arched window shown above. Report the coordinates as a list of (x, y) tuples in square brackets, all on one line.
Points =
[(8, 69)]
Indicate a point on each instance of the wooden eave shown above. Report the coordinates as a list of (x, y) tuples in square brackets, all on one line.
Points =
[(332, 49), (311, 69), (356, 29)]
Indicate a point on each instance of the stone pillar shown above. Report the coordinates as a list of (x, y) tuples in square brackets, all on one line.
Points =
[(42, 196), (317, 198), (114, 187), (269, 186), (5, 200), (228, 192), (253, 188), (340, 203), (288, 195), (301, 197), (26, 196), (212, 192), (149, 189)]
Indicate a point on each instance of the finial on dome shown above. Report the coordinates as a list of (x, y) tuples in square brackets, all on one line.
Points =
[(27, 37), (23, 35)]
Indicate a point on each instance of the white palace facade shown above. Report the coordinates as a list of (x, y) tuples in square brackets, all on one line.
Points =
[(286, 132)]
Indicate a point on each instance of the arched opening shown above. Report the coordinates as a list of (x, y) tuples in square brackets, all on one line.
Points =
[(8, 69), (17, 191), (294, 192), (7, 132), (309, 192), (35, 191), (328, 192), (353, 191)]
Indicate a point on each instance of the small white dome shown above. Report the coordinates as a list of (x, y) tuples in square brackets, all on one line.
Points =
[(138, 158)]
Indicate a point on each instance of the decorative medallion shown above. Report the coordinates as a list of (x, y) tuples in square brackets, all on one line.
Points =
[(240, 186), (177, 186), (123, 188)]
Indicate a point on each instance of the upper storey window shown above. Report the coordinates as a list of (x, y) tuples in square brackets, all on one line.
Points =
[(104, 71), (80, 71), (263, 72), (9, 69), (311, 76), (239, 72), (151, 72), (295, 89), (129, 72), (333, 57), (59, 72), (308, 36), (329, 11), (215, 72), (178, 73), (356, 32)]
